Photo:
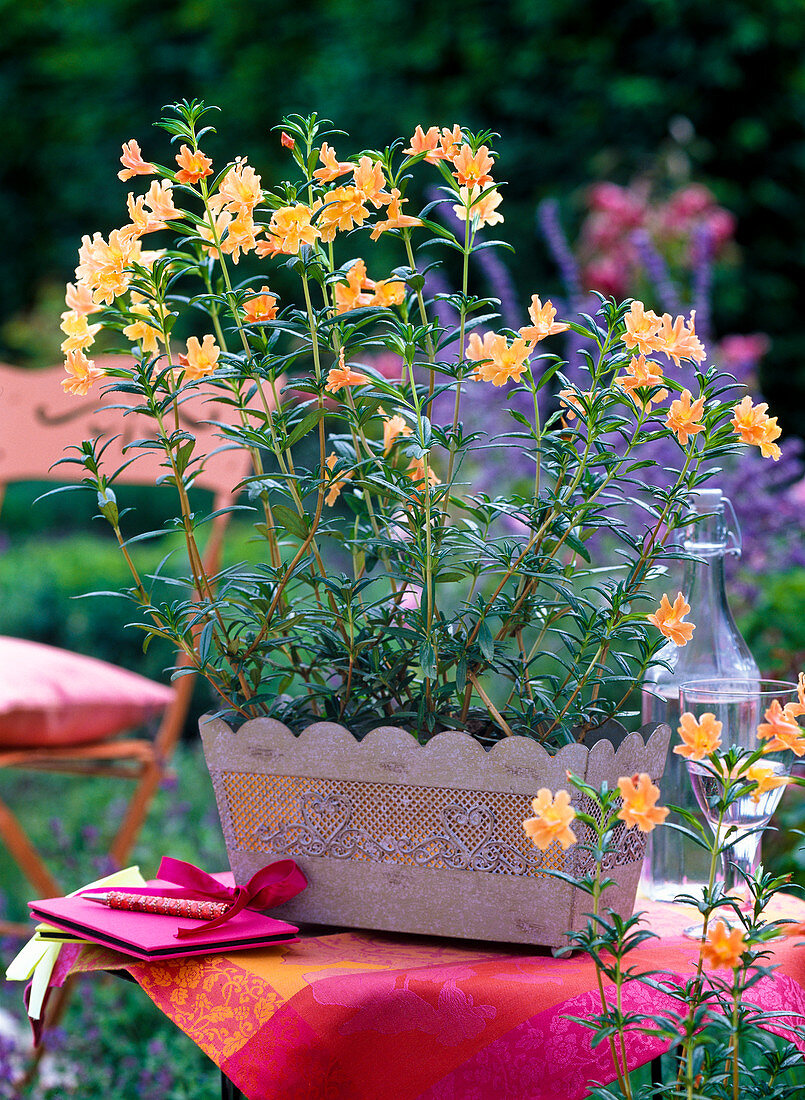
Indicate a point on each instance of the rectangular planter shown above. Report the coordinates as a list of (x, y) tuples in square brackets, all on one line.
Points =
[(405, 837)]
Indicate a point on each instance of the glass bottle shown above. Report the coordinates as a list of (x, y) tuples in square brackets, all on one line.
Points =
[(674, 864)]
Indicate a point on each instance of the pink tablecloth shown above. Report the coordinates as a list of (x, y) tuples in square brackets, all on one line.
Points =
[(357, 1015)]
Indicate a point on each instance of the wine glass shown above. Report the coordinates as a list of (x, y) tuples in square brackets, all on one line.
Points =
[(740, 706)]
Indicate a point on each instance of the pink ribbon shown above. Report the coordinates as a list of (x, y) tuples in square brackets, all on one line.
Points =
[(269, 886)]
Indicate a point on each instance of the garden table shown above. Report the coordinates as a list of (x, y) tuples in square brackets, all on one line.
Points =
[(354, 1015)]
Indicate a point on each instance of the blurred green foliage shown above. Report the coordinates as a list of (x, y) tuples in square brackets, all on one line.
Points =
[(578, 92)]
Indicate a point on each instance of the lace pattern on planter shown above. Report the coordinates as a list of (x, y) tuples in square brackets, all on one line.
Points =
[(403, 824)]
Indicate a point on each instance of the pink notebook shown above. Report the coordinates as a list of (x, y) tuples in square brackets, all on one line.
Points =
[(152, 936)]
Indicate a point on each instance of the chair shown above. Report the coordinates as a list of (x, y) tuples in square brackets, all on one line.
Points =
[(37, 422)]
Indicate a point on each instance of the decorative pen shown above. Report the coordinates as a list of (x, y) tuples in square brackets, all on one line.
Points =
[(170, 907)]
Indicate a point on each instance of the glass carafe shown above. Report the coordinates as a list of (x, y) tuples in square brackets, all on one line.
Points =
[(674, 864)]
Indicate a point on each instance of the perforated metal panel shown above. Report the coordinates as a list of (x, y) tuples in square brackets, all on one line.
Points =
[(400, 823)]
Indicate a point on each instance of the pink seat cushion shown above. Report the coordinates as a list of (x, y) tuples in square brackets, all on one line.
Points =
[(51, 697)]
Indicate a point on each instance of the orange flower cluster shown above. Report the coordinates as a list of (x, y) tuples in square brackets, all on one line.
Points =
[(359, 290), (290, 227), (754, 427), (668, 620), (436, 144), (699, 738), (649, 333), (498, 360), (552, 820), (781, 728), (642, 374), (81, 373), (232, 209), (640, 807), (102, 265)]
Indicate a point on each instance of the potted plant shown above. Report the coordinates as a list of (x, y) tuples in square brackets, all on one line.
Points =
[(416, 622)]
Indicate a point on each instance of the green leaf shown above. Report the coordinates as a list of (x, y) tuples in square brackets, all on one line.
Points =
[(293, 523), (486, 642), (304, 426), (427, 658)]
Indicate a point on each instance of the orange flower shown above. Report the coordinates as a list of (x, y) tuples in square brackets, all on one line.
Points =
[(723, 950), (103, 266), (342, 210), (240, 190), (542, 318), (472, 168), (668, 620), (427, 143), (370, 181), (798, 708), (572, 403), (336, 484), (639, 796), (159, 200), (699, 739), (449, 142), (78, 298), (205, 230), (781, 730), (141, 221), (287, 141), (416, 472), (239, 236), (80, 334), (388, 292), (642, 329), (642, 373), (395, 219), (144, 331), (201, 359), (552, 821), (483, 210), (683, 417), (393, 428), (81, 373), (342, 375), (133, 163), (765, 779), (333, 168), (679, 341), (263, 307), (288, 230), (193, 166), (756, 428), (351, 293), (499, 362)]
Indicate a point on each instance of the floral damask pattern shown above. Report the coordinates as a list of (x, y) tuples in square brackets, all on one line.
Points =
[(484, 1020)]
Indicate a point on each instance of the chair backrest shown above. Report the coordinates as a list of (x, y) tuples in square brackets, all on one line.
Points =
[(39, 421)]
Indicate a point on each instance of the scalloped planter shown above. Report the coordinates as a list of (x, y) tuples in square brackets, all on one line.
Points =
[(404, 837)]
